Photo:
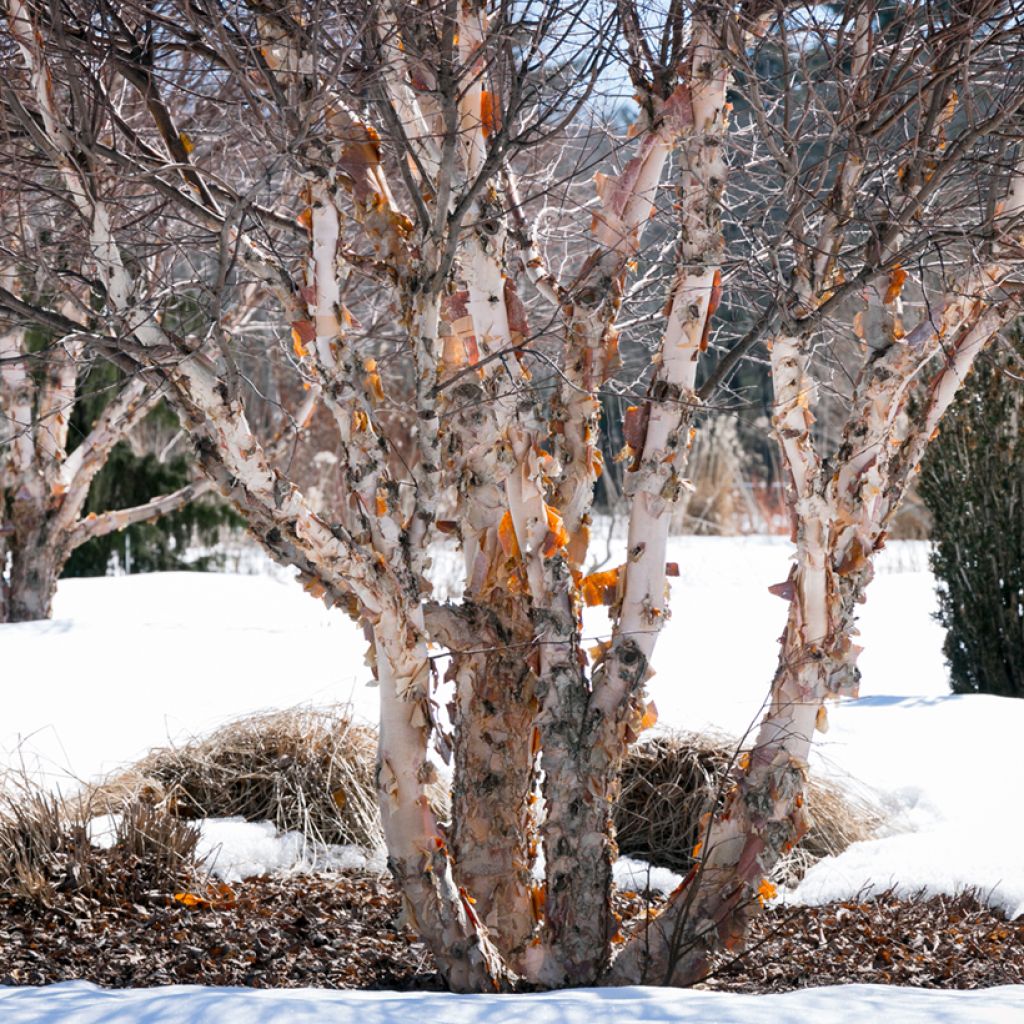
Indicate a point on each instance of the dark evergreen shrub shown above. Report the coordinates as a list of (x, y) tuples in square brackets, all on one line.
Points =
[(129, 479), (157, 546), (972, 481)]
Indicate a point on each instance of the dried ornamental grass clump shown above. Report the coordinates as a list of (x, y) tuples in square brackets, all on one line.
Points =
[(670, 781), (311, 771), (50, 856), (308, 770)]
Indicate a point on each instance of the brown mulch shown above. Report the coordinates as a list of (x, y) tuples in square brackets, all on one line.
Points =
[(342, 931), (337, 931), (939, 942)]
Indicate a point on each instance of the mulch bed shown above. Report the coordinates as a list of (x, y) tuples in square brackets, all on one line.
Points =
[(342, 931), (283, 932), (941, 942)]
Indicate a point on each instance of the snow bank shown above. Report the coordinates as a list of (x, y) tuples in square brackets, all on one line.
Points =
[(133, 662), (81, 1003), (942, 766), (928, 861)]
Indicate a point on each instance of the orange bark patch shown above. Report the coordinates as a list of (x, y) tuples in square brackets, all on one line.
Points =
[(650, 716), (538, 893), (507, 536), (714, 300), (896, 281), (557, 536), (518, 324), (821, 720), (467, 905), (854, 559), (303, 333), (601, 587), (488, 113), (372, 379), (612, 360), (634, 426)]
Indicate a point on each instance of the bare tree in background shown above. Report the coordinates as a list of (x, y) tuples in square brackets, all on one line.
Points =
[(374, 174), (44, 480)]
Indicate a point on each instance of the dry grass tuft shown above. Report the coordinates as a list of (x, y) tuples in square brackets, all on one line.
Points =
[(671, 780), (47, 856), (308, 770)]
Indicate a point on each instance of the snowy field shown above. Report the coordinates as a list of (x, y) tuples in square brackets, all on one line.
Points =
[(134, 662)]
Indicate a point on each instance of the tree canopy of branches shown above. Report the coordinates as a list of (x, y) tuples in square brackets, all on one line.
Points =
[(432, 210)]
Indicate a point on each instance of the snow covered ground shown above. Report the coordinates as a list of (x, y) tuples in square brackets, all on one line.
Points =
[(81, 1003), (134, 662)]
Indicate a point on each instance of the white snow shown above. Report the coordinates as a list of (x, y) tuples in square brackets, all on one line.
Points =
[(639, 876), (81, 1003), (233, 849), (131, 663), (945, 768)]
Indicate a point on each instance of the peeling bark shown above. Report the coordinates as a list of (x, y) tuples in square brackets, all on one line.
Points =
[(417, 852)]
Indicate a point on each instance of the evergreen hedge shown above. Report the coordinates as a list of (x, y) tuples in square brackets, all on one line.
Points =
[(972, 481)]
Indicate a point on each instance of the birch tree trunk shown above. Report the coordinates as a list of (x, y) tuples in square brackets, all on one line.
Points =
[(417, 852), (48, 486)]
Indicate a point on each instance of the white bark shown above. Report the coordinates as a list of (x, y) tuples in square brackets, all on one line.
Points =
[(417, 852), (626, 204)]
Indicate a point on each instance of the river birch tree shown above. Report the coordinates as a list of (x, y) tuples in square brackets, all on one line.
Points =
[(844, 179)]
